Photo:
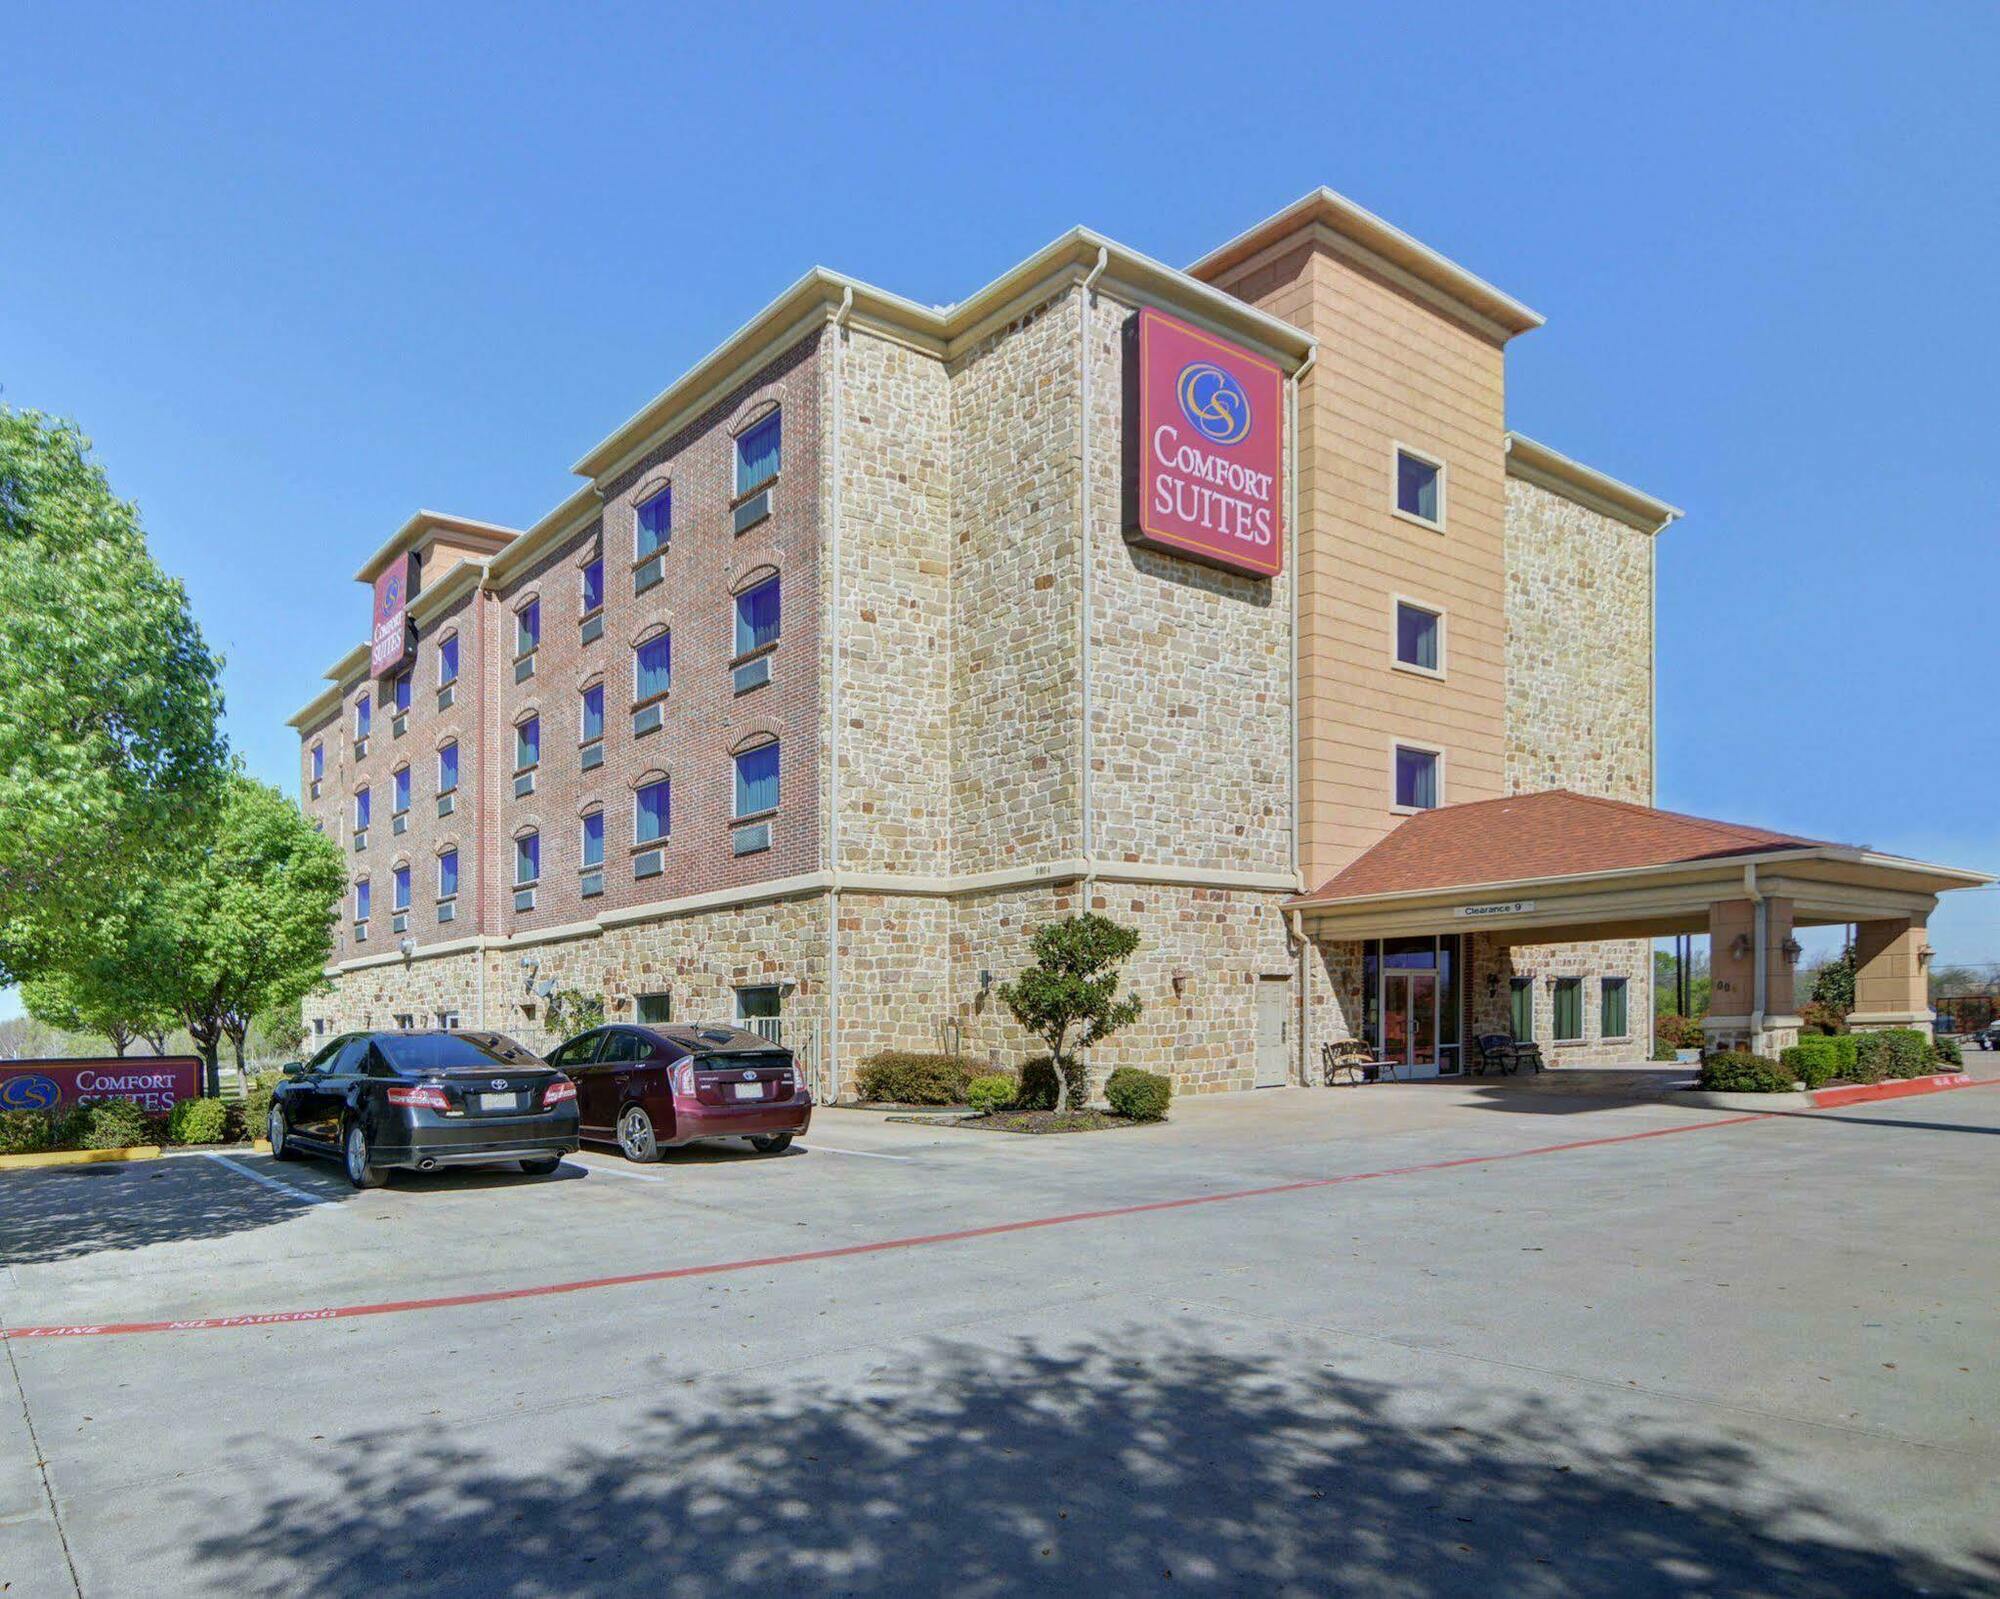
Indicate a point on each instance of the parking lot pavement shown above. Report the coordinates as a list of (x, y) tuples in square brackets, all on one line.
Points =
[(1602, 1346)]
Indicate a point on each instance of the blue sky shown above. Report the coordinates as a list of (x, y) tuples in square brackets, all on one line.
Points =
[(301, 272)]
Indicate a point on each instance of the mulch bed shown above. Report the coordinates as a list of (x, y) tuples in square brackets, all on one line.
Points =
[(1048, 1121)]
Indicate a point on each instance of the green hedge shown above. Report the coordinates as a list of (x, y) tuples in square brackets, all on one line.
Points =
[(1947, 1052), (1740, 1072), (907, 1078), (1891, 1052), (1817, 1059), (197, 1121), (24, 1132), (103, 1124), (1141, 1095), (987, 1094)]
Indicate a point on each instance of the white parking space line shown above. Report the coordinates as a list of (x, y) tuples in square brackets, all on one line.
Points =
[(859, 1154), (271, 1182), (596, 1170)]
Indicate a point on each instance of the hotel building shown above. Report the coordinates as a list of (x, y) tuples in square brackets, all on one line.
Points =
[(1220, 600)]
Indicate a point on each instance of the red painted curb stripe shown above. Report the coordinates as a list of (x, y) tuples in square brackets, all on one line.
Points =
[(881, 1246), (1861, 1093)]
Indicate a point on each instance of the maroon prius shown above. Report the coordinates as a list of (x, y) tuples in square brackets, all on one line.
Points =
[(655, 1088)]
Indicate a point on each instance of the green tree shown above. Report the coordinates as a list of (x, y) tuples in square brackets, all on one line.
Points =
[(108, 696), (246, 924), (103, 993), (571, 1011), (1069, 997), (1833, 984)]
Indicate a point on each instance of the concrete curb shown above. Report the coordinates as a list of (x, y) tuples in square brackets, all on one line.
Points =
[(78, 1157), (1830, 1098)]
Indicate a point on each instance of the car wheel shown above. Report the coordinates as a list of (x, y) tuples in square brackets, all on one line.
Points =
[(541, 1168), (636, 1136), (278, 1131), (359, 1172), (773, 1144)]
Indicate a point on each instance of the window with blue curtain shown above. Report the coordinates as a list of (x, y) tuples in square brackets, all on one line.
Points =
[(401, 885), (653, 523), (757, 453), (652, 812), (361, 900), (593, 587), (361, 810), (402, 789), (591, 725), (448, 874), (653, 667), (448, 768), (757, 616), (364, 713), (527, 857), (528, 744), (1416, 486), (319, 762), (1417, 636), (402, 691), (528, 627), (448, 660), (1416, 778), (757, 780), (593, 839)]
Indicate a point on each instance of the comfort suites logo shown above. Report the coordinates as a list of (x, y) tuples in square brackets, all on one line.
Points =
[(391, 644), (1209, 448), (29, 1093)]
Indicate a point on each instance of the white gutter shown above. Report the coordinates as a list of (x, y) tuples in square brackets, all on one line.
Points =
[(1083, 547), (1301, 951), (1763, 922), (831, 1054)]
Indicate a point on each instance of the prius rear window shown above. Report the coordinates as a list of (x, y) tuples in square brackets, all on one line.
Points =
[(743, 1060), (444, 1052)]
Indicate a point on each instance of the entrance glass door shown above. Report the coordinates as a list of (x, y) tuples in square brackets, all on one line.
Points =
[(1409, 1021)]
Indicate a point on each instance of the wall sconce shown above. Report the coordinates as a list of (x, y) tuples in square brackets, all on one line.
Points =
[(529, 966), (1791, 949), (985, 982), (1924, 955), (1492, 984), (406, 947), (787, 986), (1181, 978), (1739, 946)]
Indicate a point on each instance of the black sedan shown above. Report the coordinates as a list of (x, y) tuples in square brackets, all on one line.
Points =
[(421, 1100)]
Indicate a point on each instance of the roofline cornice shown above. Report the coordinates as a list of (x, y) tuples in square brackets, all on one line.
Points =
[(422, 528), (1534, 462)]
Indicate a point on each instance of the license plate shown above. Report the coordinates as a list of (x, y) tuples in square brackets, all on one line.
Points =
[(499, 1101), (748, 1090)]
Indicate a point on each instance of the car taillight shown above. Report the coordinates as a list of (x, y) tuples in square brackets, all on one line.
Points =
[(558, 1092), (684, 1079), (423, 1098)]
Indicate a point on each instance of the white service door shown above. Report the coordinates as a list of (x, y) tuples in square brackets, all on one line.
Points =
[(1274, 1032)]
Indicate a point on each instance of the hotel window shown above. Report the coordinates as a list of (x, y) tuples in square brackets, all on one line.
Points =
[(757, 454), (400, 889), (593, 586), (1416, 778), (361, 809), (590, 715), (318, 762), (1614, 1017), (527, 859), (361, 903), (528, 744), (364, 716), (1420, 487), (653, 524), (402, 692), (757, 617), (757, 781), (654, 1009), (448, 874), (1568, 993), (1521, 1008), (528, 628), (400, 790), (1419, 637), (652, 812), (652, 668), (448, 767), (447, 660), (593, 840)]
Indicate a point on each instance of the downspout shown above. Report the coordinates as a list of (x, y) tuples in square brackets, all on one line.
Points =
[(1756, 896), (831, 1065), (1301, 950), (1083, 546)]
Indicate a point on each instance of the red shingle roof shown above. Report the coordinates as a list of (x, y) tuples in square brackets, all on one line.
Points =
[(1531, 836)]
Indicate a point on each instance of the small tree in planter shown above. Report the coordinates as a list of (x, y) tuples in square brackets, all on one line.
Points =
[(570, 1010), (1069, 997)]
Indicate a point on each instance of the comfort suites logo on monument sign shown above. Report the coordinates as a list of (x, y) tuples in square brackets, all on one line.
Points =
[(392, 635), (1209, 449)]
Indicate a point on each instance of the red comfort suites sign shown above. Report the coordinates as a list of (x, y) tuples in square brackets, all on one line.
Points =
[(392, 633), (153, 1082), (1210, 448)]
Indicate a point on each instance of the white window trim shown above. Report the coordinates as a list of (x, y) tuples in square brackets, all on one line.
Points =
[(582, 831), (364, 716), (406, 883), (441, 894), (583, 741), (583, 606), (532, 603), (639, 557), (519, 840), (660, 840), (1396, 449), (369, 790), (1423, 748), (439, 779), (736, 816), (1396, 603), (666, 633), (738, 494), (738, 656), (534, 721), (442, 680)]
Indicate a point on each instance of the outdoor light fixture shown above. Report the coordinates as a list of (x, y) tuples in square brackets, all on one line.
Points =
[(1492, 984), (1182, 977), (1791, 949), (1924, 955), (406, 947), (1739, 946), (985, 980), (529, 966)]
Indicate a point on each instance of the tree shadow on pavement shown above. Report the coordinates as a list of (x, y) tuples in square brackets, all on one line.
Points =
[(1142, 1464)]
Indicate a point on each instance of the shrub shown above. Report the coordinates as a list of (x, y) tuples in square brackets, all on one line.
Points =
[(249, 1115), (987, 1094), (1947, 1052), (197, 1121), (1818, 1058), (1675, 1031), (1891, 1052), (23, 1132), (1141, 1095), (1737, 1071), (103, 1124), (909, 1078), (1038, 1085)]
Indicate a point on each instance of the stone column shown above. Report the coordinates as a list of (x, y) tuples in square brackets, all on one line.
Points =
[(1732, 1005), (1891, 984)]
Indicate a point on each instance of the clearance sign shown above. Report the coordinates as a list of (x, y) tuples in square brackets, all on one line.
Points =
[(1210, 448), (391, 644)]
